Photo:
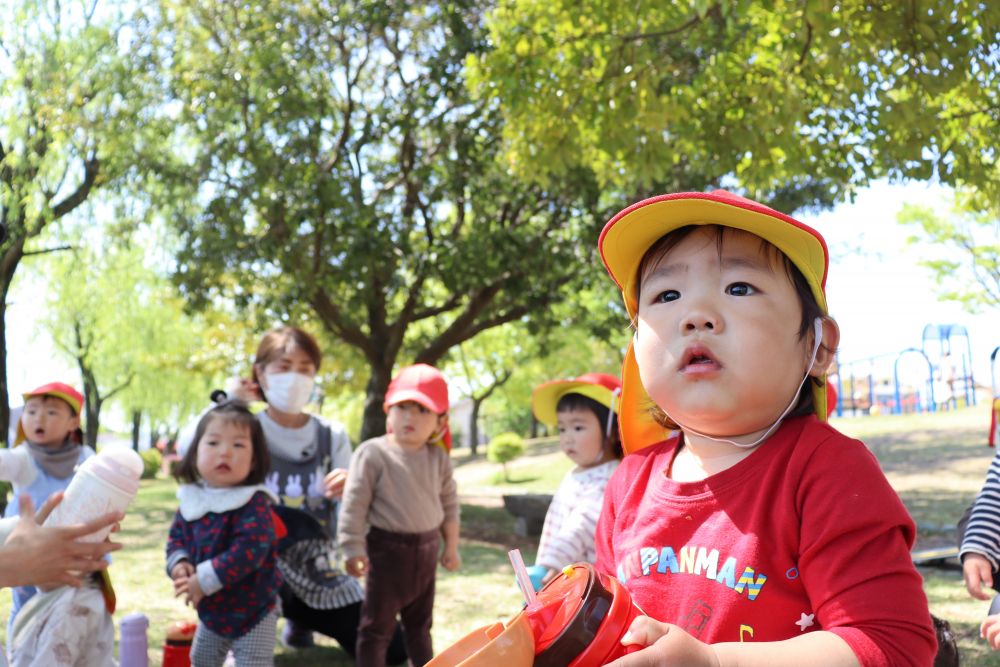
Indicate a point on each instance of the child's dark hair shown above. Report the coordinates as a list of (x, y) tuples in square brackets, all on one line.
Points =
[(572, 401), (810, 307), (234, 412)]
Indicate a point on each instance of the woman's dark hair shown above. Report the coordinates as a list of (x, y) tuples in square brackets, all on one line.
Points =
[(234, 412), (810, 307), (571, 402), (276, 342)]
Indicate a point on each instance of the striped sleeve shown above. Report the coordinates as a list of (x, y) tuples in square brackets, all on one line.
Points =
[(982, 535)]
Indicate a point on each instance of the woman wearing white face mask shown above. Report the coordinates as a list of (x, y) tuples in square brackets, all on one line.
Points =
[(309, 461)]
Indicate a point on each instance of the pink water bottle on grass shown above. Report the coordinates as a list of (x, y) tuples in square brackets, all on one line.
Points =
[(106, 482)]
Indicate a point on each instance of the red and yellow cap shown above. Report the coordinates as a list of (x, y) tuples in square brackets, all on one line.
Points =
[(425, 385), (599, 386), (626, 238), (57, 389)]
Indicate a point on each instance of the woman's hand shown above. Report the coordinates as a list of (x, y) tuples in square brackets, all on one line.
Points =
[(50, 556), (333, 483), (243, 389)]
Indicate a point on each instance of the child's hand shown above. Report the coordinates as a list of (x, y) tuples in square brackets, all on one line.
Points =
[(182, 570), (334, 483), (195, 594), (189, 588), (990, 631), (978, 575), (451, 560), (665, 644), (357, 566)]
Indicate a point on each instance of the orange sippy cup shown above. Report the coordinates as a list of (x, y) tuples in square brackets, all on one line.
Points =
[(579, 619)]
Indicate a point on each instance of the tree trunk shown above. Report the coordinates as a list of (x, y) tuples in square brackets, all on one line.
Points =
[(534, 425), (93, 421), (136, 426), (91, 405), (4, 390), (8, 264), (474, 427), (373, 417)]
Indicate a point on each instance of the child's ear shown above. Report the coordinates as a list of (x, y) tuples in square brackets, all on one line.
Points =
[(74, 423), (827, 349)]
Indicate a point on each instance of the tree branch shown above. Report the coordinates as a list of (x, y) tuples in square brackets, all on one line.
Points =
[(334, 320), (91, 169), (46, 251)]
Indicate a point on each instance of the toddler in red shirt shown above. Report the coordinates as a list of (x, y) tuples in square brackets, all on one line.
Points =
[(757, 534)]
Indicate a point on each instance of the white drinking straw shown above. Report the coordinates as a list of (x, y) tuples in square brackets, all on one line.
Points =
[(521, 573)]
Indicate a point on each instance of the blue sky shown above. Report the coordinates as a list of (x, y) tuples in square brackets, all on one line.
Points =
[(877, 292)]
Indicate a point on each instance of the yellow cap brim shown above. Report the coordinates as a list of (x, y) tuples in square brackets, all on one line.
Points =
[(545, 397), (628, 235)]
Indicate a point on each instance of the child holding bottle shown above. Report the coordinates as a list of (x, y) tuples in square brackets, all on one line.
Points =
[(222, 544), (399, 502), (758, 534), (47, 451), (584, 411)]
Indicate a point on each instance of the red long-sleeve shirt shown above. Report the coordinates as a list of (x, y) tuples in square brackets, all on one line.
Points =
[(804, 534)]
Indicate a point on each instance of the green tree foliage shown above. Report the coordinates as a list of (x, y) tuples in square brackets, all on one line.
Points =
[(71, 109), (964, 249), (798, 102), (338, 161), (125, 329), (503, 449)]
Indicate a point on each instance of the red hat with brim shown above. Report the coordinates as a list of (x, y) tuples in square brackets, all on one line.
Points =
[(57, 389), (630, 234), (425, 385), (600, 387)]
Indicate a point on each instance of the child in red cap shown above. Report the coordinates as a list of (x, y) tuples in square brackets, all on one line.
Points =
[(402, 493), (584, 410), (50, 425), (758, 534)]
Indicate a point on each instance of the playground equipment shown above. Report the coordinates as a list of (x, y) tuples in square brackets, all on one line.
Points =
[(954, 365), (885, 384), (931, 378)]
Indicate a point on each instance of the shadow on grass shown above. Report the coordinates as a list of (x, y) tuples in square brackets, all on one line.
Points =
[(520, 481), (331, 656)]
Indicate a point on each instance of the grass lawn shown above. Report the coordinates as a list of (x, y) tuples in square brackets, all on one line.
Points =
[(936, 463)]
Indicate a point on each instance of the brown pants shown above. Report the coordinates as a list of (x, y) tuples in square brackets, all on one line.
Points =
[(400, 580)]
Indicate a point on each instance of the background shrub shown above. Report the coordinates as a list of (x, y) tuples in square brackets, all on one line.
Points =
[(504, 448), (152, 459)]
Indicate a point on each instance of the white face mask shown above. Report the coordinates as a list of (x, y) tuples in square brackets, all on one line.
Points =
[(288, 392)]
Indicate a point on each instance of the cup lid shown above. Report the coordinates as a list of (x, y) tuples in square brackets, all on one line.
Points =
[(568, 611)]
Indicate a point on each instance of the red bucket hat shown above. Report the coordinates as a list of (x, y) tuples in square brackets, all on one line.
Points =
[(599, 386), (626, 238), (57, 389), (421, 384)]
